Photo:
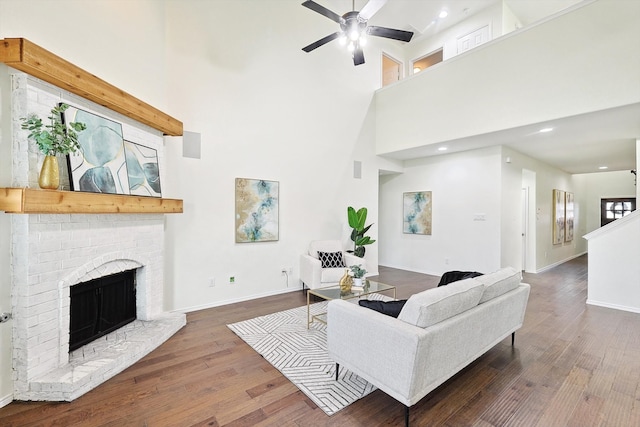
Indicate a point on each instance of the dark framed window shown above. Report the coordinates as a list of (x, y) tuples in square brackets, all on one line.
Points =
[(612, 209)]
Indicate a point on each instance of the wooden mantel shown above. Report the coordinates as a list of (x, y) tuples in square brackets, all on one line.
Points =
[(36, 201), (23, 55)]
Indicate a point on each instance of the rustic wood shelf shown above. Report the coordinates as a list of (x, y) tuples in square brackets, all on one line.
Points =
[(36, 201), (23, 55)]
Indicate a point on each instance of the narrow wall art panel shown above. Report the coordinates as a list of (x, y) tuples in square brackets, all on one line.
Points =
[(256, 210), (100, 166), (569, 217), (416, 214), (142, 170), (558, 216)]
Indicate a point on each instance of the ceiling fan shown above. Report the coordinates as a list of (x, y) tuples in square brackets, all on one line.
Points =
[(353, 27)]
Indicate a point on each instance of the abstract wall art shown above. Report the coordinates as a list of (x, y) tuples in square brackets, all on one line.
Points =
[(569, 217), (142, 170), (100, 166), (256, 210), (416, 214), (558, 216)]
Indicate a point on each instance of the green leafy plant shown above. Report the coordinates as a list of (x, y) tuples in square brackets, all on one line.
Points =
[(54, 138), (357, 219), (358, 271)]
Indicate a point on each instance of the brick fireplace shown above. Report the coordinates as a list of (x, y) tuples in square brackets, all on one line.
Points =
[(52, 252)]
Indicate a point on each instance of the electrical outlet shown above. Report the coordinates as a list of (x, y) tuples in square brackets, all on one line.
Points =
[(212, 282)]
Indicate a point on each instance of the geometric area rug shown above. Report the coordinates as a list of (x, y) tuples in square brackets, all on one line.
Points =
[(300, 354)]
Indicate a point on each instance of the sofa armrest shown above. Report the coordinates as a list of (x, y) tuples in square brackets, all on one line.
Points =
[(310, 271), (381, 349)]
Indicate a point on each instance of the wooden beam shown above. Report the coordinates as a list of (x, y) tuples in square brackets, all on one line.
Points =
[(23, 55), (36, 201)]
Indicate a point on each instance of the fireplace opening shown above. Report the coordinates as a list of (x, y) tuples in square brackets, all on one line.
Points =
[(100, 306)]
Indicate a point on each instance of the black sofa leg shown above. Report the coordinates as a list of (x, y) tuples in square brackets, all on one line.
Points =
[(513, 338), (406, 416), (337, 369)]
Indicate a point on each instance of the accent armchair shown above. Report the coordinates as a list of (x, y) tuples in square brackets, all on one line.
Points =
[(325, 263)]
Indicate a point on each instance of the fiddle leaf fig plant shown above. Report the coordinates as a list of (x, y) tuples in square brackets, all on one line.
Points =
[(54, 138), (357, 219)]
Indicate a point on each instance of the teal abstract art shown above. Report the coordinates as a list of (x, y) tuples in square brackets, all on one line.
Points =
[(256, 210), (416, 214)]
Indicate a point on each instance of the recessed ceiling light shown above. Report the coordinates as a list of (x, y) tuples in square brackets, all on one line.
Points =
[(443, 14), (603, 167), (545, 130), (442, 148)]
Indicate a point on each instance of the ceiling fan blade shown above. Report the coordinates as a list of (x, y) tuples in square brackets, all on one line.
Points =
[(358, 56), (390, 33), (371, 8), (323, 11), (321, 42)]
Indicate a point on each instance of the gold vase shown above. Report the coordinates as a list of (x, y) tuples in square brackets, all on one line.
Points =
[(49, 174), (345, 283)]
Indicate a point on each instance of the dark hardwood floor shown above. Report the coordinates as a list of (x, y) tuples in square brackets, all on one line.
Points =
[(572, 365)]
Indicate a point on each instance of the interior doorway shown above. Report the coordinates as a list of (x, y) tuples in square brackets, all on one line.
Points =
[(529, 216), (427, 61), (391, 70)]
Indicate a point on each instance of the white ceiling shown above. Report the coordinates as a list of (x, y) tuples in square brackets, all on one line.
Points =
[(578, 144)]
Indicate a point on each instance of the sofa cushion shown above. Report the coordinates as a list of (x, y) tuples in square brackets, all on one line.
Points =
[(499, 282), (390, 308), (331, 259), (435, 305)]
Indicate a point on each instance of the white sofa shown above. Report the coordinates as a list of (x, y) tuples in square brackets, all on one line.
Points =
[(437, 333), (313, 275)]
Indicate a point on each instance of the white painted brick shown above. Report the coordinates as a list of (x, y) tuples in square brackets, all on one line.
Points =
[(50, 253)]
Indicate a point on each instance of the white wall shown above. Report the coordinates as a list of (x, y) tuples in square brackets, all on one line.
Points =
[(462, 185), (447, 39), (266, 110), (614, 274), (597, 186), (514, 81)]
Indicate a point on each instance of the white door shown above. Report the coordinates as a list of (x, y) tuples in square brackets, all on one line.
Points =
[(473, 39), (525, 226)]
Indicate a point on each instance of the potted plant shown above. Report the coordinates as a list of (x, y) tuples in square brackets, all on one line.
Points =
[(357, 220), (358, 273), (53, 139)]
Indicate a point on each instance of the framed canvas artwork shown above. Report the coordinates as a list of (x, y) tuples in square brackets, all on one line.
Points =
[(256, 210), (416, 212), (558, 216), (100, 165), (142, 170), (569, 217)]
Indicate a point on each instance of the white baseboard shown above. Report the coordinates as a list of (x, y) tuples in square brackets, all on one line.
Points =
[(555, 264), (235, 300), (4, 401), (614, 306)]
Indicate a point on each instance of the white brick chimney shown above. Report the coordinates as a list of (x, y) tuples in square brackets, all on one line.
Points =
[(50, 253)]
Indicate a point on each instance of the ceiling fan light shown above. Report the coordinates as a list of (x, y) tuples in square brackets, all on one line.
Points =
[(342, 39), (351, 47), (362, 41), (354, 34)]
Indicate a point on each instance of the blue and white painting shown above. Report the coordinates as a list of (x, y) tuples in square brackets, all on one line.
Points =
[(100, 166), (256, 210), (416, 213), (143, 171)]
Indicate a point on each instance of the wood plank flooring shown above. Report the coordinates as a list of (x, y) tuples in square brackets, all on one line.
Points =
[(572, 365)]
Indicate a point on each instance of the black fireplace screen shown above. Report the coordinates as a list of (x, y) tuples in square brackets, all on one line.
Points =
[(101, 306)]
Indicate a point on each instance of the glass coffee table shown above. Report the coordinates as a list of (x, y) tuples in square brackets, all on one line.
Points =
[(334, 292)]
